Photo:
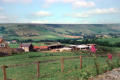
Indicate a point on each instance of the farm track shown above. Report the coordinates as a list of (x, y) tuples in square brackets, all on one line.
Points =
[(110, 75)]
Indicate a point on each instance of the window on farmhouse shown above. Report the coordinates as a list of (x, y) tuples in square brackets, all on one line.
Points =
[(2, 45)]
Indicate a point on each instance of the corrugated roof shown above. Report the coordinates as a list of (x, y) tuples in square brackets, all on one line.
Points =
[(25, 44), (82, 46), (36, 47), (40, 47), (43, 47)]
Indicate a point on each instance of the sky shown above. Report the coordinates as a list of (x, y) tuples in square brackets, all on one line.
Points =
[(60, 11)]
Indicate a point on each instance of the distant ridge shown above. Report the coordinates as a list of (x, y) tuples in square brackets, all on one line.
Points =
[(54, 31)]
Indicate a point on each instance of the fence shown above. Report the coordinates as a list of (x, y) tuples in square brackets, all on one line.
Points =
[(38, 65)]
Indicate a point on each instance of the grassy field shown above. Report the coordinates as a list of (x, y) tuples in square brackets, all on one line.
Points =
[(110, 40), (16, 45), (52, 71), (53, 31)]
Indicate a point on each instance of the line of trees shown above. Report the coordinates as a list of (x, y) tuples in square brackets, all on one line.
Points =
[(76, 42)]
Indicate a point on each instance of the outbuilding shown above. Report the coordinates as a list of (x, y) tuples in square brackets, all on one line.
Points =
[(41, 48), (80, 47), (83, 47), (55, 46), (27, 47), (4, 48)]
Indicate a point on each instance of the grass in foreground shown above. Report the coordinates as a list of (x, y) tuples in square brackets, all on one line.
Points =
[(51, 71)]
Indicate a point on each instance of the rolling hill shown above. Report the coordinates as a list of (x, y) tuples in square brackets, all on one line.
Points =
[(54, 31)]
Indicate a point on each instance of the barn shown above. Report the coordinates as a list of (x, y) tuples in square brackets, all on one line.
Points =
[(55, 46), (63, 49), (27, 47), (80, 47), (83, 47), (41, 48)]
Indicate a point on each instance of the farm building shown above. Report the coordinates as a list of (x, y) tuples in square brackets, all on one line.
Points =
[(13, 41), (41, 48), (64, 49), (4, 48), (17, 50), (27, 47), (80, 47), (8, 42), (91, 45), (55, 46), (3, 44), (83, 47)]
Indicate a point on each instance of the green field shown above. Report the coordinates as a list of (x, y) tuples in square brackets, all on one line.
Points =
[(13, 45), (110, 40), (16, 45), (52, 71), (54, 31)]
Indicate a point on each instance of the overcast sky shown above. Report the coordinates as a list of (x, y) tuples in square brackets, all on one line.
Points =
[(60, 11)]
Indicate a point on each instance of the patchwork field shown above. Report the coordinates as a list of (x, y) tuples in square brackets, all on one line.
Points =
[(54, 31)]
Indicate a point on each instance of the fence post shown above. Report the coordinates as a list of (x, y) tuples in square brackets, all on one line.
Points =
[(38, 69), (4, 72), (62, 64), (80, 62)]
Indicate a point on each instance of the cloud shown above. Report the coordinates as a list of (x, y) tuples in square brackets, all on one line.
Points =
[(1, 9), (7, 18), (17, 1), (74, 3), (64, 22), (97, 11), (54, 1), (51, 1), (85, 22), (78, 4), (77, 15), (103, 11), (2, 17), (39, 21), (43, 14), (69, 1), (47, 3)]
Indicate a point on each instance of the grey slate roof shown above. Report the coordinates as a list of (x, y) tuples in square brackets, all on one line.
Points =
[(25, 44)]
